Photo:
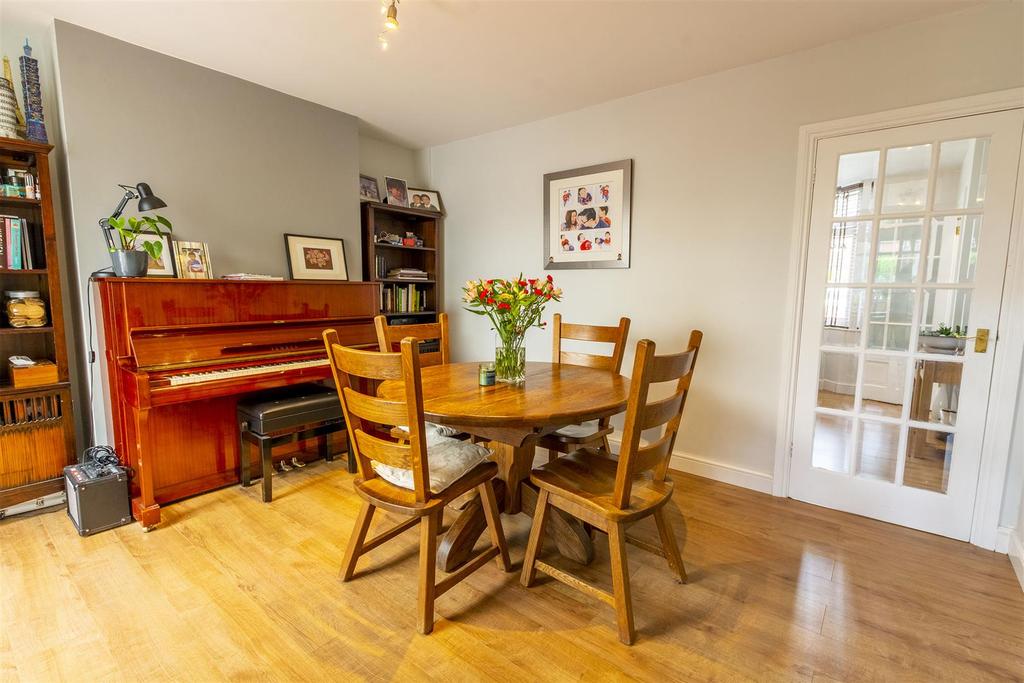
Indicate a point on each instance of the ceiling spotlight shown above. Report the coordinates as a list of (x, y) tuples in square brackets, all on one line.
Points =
[(391, 20)]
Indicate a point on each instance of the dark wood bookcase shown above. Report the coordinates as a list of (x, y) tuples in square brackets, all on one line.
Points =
[(37, 433), (379, 258)]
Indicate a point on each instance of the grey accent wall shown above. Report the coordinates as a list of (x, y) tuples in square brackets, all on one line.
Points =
[(238, 164)]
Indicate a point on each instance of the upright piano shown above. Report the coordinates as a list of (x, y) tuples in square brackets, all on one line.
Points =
[(180, 353)]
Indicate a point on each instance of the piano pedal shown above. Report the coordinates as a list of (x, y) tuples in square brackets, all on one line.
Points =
[(298, 463), (285, 467)]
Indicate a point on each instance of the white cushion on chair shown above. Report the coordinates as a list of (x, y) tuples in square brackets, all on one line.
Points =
[(440, 430), (448, 459), (578, 431)]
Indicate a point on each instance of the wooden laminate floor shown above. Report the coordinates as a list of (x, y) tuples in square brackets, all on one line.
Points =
[(230, 588)]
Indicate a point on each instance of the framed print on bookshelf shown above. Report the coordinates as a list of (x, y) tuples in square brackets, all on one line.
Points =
[(587, 216), (368, 188), (425, 200), (192, 260), (396, 191), (163, 266), (315, 258)]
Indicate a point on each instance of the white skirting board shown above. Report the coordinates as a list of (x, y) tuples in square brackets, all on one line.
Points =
[(713, 469), (1016, 553)]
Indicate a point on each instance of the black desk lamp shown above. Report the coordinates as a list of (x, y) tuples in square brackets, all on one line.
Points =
[(147, 202)]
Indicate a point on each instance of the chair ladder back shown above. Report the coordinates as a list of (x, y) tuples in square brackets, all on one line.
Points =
[(365, 412), (590, 333), (389, 337), (648, 369)]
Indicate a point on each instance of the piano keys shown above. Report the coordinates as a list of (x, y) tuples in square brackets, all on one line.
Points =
[(180, 353)]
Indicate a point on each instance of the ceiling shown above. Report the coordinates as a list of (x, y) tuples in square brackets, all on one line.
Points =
[(456, 68)]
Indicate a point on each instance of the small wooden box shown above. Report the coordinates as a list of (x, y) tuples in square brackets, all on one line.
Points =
[(43, 372)]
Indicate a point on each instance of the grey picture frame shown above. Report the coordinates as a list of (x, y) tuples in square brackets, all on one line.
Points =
[(622, 259)]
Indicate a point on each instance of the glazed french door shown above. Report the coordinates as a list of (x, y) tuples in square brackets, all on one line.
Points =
[(905, 266)]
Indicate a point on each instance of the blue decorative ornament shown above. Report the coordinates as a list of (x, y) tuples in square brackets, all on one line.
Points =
[(32, 95)]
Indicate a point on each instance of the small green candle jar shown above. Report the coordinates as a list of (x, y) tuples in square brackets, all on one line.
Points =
[(487, 374)]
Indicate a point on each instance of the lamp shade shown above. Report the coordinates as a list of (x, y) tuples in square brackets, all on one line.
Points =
[(147, 200)]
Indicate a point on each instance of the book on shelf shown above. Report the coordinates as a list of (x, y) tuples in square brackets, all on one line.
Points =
[(403, 299), (21, 244), (407, 274)]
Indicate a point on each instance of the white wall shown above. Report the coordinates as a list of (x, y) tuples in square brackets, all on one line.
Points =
[(714, 175), (380, 158)]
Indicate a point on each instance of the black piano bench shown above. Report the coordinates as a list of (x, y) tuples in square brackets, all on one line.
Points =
[(275, 417)]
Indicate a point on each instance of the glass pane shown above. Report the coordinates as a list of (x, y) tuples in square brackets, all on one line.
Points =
[(929, 455), (831, 444), (837, 380), (899, 250), (963, 167), (936, 391), (879, 442), (855, 184), (844, 316), (944, 321), (891, 316), (906, 178), (849, 252), (953, 249), (882, 385)]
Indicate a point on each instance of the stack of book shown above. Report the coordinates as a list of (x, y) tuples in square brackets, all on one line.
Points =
[(21, 244), (403, 299), (407, 274)]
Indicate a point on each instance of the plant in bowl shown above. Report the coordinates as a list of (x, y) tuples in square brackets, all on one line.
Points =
[(943, 339), (128, 261), (513, 306)]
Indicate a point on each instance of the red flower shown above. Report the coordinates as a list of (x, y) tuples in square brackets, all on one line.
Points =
[(548, 296), (537, 292), (522, 283), (490, 300), (550, 279), (483, 294), (533, 281), (503, 306), (490, 282)]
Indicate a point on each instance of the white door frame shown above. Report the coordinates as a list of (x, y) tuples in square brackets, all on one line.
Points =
[(1009, 349)]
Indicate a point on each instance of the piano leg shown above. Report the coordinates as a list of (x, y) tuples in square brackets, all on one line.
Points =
[(266, 449), (144, 507)]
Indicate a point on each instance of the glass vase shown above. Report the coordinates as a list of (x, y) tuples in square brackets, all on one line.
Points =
[(510, 363)]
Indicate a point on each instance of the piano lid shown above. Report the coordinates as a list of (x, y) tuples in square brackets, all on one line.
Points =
[(171, 348)]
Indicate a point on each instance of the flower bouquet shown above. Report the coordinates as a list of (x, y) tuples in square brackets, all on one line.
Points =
[(514, 306)]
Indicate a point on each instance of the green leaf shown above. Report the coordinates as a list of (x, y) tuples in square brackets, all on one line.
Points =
[(164, 222), (154, 249)]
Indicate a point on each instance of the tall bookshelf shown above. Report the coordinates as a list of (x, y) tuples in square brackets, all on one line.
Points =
[(37, 433), (379, 258)]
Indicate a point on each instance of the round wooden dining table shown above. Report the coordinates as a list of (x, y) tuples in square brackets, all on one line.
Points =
[(512, 418)]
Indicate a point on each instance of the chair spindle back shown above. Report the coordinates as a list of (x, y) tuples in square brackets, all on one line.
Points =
[(357, 374), (648, 369), (390, 336)]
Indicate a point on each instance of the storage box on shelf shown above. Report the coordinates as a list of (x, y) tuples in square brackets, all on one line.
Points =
[(37, 435), (409, 269)]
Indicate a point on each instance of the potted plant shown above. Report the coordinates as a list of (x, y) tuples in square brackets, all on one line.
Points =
[(944, 339), (128, 261), (513, 306)]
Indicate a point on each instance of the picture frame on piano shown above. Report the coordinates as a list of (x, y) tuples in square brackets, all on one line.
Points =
[(193, 260), (165, 266), (311, 257)]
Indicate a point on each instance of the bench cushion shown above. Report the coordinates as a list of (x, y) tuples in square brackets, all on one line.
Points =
[(448, 459), (289, 408)]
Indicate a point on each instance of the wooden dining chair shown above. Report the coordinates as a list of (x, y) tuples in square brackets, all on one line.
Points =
[(408, 478), (596, 433), (390, 336), (611, 495)]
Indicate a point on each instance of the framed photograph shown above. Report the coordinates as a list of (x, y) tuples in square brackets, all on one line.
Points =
[(192, 260), (586, 216), (315, 258), (397, 192), (368, 188), (427, 200), (163, 266)]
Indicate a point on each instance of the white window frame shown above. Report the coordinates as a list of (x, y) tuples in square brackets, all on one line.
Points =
[(1002, 400)]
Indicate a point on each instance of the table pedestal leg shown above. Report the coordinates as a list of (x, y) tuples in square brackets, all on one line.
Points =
[(515, 494)]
